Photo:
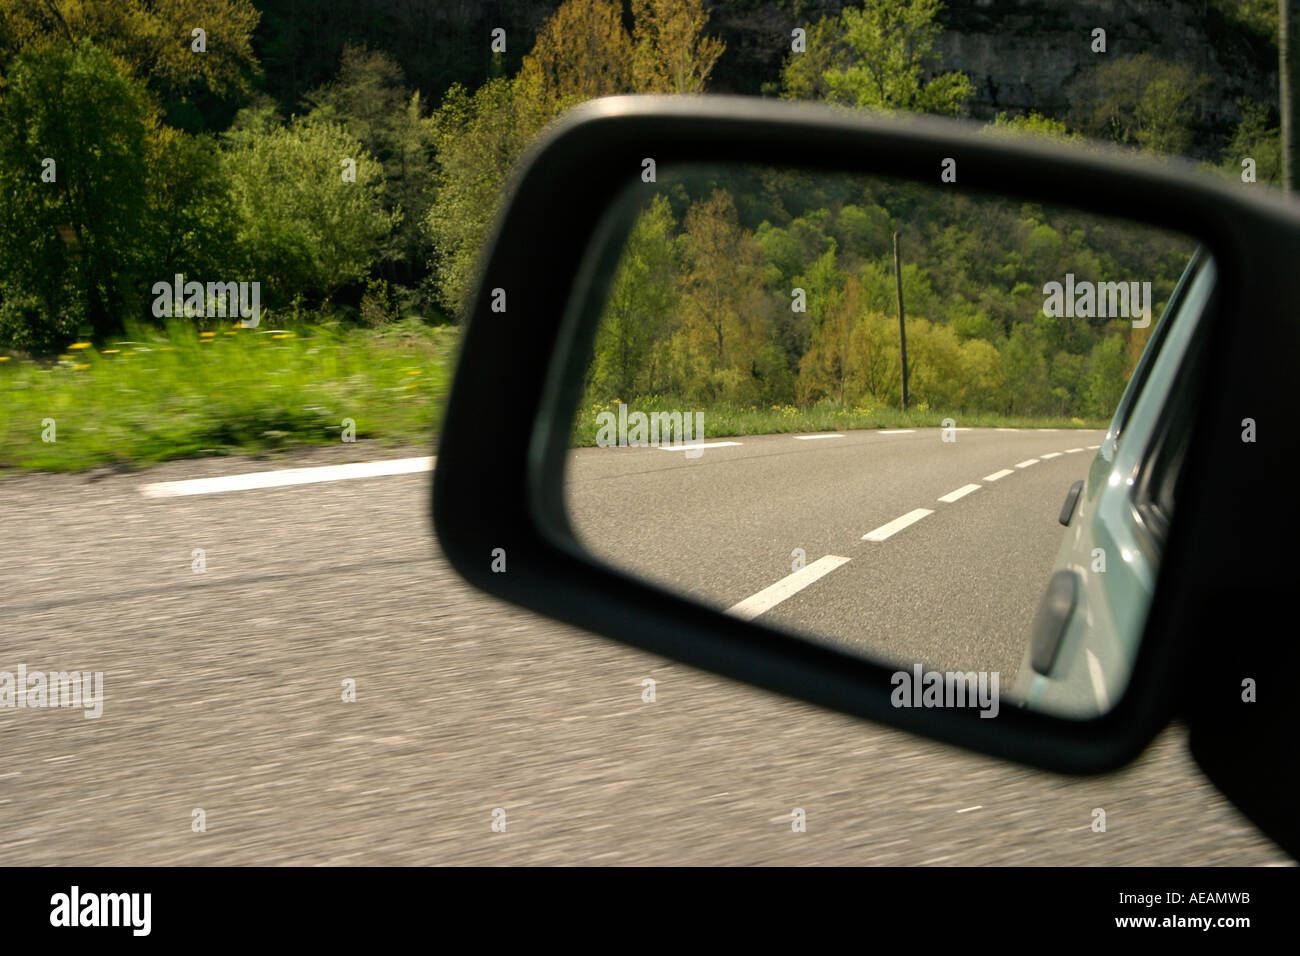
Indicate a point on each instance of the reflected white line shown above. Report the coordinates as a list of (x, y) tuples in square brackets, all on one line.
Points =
[(961, 492), (697, 445), (286, 476), (998, 474), (897, 525), (788, 586)]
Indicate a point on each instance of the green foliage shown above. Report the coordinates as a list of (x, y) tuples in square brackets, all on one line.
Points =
[(477, 136), (173, 394), (150, 39), (638, 310), (1139, 101), (369, 99), (1258, 16), (1033, 123), (75, 245), (302, 228), (875, 57), (706, 312), (1257, 138)]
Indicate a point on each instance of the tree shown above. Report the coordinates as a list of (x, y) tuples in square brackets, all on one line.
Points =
[(188, 201), (301, 226), (638, 310), (803, 76), (151, 38), (74, 142), (478, 137), (1106, 376), (368, 98), (722, 333), (1255, 137), (672, 54), (582, 52), (1139, 101), (890, 44), (835, 303)]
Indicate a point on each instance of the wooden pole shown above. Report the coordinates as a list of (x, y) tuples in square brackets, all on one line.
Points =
[(902, 330)]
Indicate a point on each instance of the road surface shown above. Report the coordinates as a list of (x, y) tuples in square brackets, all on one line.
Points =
[(224, 693)]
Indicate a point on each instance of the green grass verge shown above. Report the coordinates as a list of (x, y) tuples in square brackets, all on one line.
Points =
[(724, 421), (182, 394)]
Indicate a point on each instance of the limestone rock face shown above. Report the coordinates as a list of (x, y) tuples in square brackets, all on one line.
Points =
[(1020, 54)]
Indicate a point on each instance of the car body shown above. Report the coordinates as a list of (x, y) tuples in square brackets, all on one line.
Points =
[(1090, 624)]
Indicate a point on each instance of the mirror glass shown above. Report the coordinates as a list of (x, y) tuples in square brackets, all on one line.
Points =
[(929, 427)]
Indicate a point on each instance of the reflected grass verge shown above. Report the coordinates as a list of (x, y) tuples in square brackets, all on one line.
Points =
[(728, 421), (183, 393)]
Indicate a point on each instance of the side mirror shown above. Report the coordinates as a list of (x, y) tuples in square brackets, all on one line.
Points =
[(499, 483)]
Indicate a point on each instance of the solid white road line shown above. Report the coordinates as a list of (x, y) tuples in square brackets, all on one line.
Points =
[(697, 445), (287, 476), (1052, 454), (814, 437), (898, 431), (961, 492), (897, 525), (788, 586), (1027, 462), (998, 474)]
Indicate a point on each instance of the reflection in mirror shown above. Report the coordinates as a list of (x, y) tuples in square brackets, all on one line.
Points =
[(928, 427)]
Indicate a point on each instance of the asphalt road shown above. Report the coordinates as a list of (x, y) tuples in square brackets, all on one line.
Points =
[(223, 692), (957, 589)]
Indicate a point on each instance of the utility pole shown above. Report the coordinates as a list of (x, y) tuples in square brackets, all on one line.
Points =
[(1288, 78), (902, 331)]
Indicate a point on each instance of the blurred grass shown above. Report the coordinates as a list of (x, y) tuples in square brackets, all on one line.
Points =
[(723, 421), (183, 393)]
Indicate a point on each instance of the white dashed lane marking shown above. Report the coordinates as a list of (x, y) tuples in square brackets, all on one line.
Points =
[(998, 474), (897, 525), (695, 446), (1027, 462), (788, 586), (961, 492)]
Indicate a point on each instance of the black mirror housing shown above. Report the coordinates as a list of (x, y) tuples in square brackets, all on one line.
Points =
[(499, 471)]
